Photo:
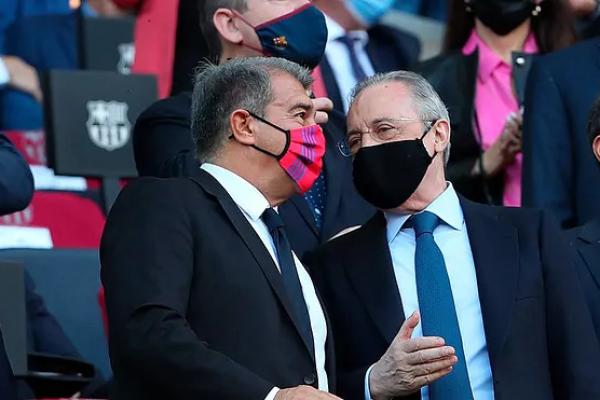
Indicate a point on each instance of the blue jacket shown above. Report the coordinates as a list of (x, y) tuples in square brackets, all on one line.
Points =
[(16, 181)]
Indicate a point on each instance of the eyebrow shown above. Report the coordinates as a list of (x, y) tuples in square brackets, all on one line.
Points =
[(373, 122), (304, 105)]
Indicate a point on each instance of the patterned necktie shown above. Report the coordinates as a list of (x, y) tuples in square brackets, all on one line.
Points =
[(436, 304), (357, 69), (289, 273), (317, 199)]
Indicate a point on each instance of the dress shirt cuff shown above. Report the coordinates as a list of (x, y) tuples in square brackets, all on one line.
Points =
[(367, 387), (272, 393), (4, 75)]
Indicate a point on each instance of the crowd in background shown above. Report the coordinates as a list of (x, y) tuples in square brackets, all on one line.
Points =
[(520, 80)]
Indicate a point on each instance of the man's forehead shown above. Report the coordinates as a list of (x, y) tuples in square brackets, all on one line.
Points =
[(287, 90), (384, 100)]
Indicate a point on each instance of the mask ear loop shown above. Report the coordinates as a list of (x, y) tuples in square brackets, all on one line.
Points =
[(287, 133), (244, 20), (425, 134)]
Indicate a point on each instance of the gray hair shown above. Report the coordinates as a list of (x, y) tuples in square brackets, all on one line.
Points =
[(242, 83), (428, 103)]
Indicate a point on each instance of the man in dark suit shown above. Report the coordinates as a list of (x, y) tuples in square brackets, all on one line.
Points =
[(440, 295), (204, 295), (163, 145), (586, 239), (16, 181), (557, 164), (8, 385), (358, 46)]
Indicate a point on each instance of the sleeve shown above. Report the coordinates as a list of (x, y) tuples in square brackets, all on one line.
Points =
[(16, 181), (272, 394), (47, 334), (162, 141), (547, 148), (573, 348), (148, 264)]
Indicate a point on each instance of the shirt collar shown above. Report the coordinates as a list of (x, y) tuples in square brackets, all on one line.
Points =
[(336, 31), (248, 198), (488, 59), (446, 206)]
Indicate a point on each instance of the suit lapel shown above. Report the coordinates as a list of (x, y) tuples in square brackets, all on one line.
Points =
[(590, 252), (371, 273), (496, 255), (304, 210), (254, 244), (333, 91)]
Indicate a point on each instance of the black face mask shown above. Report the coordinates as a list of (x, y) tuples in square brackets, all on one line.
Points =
[(502, 16), (388, 174)]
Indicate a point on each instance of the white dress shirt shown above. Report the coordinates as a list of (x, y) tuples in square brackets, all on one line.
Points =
[(338, 57), (452, 238), (253, 203), (4, 75)]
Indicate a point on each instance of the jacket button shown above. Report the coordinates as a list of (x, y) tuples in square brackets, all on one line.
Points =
[(520, 61), (310, 379)]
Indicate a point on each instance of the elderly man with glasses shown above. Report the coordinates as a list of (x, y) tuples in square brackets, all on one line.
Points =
[(437, 296)]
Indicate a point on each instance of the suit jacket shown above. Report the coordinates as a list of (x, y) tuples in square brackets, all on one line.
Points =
[(389, 49), (8, 386), (16, 181), (536, 322), (454, 75), (586, 241), (196, 305), (558, 165), (163, 147)]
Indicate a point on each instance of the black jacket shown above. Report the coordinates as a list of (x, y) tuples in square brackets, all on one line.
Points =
[(586, 241), (454, 76), (163, 148), (16, 181), (196, 306), (560, 172), (538, 330)]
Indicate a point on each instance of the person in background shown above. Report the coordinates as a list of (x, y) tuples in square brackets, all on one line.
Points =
[(162, 141), (586, 239), (435, 9), (588, 13), (358, 46), (221, 308), (168, 41), (558, 168), (34, 45), (8, 384), (438, 297), (481, 77)]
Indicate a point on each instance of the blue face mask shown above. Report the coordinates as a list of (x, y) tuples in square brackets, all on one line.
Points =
[(299, 36), (369, 12)]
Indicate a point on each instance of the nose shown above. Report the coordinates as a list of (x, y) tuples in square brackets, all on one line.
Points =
[(367, 140)]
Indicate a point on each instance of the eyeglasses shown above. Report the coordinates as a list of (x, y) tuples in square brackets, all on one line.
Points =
[(380, 132)]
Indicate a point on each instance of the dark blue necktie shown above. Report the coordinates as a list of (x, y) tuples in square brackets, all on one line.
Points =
[(289, 273), (357, 69), (436, 304), (317, 199)]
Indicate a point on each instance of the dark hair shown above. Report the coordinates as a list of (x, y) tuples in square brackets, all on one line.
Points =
[(242, 83), (553, 27), (593, 125), (207, 9)]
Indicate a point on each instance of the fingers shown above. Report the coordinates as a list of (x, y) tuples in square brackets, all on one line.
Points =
[(407, 328), (422, 343), (425, 380), (430, 355), (322, 104), (436, 366), (321, 117)]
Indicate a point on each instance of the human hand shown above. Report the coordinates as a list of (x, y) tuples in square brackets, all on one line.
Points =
[(23, 76), (323, 106), (304, 393), (409, 364), (506, 147)]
